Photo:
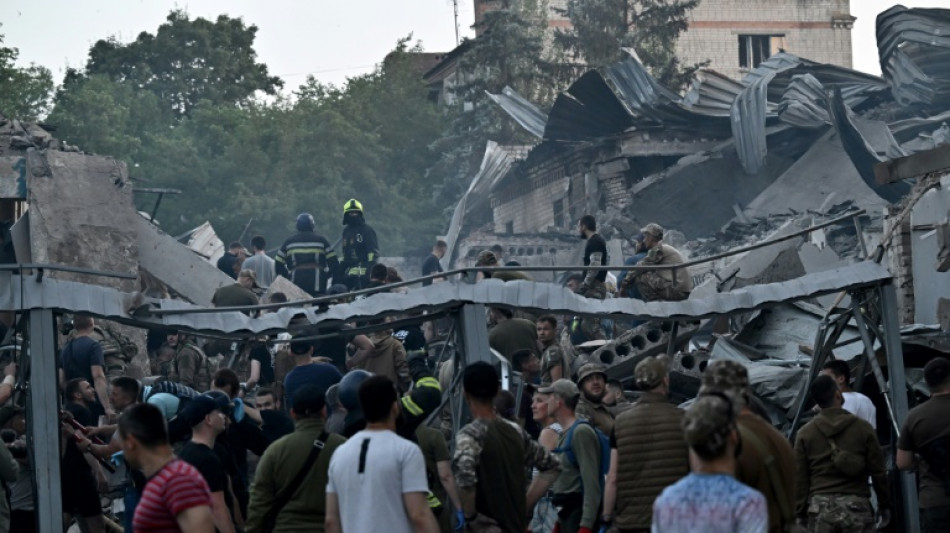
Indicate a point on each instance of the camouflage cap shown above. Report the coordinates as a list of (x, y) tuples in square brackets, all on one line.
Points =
[(485, 258), (650, 372), (564, 388), (654, 230), (726, 375), (590, 369), (707, 422)]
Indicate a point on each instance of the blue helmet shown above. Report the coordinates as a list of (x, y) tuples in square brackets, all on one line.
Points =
[(350, 389), (305, 222)]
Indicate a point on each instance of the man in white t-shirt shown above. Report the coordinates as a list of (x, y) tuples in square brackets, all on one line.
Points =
[(854, 402), (377, 479)]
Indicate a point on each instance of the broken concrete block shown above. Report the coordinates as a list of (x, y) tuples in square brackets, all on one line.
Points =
[(943, 313), (284, 285)]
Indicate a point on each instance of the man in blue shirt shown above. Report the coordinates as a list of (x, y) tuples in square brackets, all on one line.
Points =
[(306, 372)]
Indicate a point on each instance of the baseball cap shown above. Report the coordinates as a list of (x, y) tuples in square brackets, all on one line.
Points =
[(564, 388), (198, 408), (590, 369), (650, 372)]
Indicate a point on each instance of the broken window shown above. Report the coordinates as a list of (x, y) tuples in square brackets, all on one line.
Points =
[(559, 213), (754, 49), (510, 227)]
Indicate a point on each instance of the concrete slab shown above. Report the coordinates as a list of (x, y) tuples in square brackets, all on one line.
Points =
[(284, 285)]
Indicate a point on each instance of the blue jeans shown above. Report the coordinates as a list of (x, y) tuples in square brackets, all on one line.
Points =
[(632, 291), (131, 501)]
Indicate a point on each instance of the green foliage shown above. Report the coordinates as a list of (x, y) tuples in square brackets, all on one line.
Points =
[(24, 92), (187, 61), (242, 163), (651, 27)]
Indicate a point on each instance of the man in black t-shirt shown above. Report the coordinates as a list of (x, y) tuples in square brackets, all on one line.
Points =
[(82, 358), (432, 263), (207, 422), (262, 365), (595, 254)]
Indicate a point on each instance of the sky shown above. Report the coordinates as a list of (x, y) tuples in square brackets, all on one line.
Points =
[(332, 40)]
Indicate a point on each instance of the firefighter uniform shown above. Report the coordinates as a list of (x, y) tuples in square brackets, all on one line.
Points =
[(360, 247), (306, 258)]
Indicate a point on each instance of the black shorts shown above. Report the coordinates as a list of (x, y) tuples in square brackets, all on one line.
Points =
[(81, 495)]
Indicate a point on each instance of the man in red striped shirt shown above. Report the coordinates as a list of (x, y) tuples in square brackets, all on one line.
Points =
[(176, 497)]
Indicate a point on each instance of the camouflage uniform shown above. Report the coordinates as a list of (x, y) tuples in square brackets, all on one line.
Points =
[(551, 357), (597, 413), (659, 285), (191, 367), (468, 448), (590, 325), (833, 513)]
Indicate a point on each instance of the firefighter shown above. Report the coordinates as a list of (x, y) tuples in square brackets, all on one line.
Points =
[(306, 258), (360, 248)]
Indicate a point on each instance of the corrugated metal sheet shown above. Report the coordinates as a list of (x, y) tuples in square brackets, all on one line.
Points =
[(110, 303), (521, 110), (914, 50)]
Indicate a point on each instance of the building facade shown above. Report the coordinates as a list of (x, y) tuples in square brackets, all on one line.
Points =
[(737, 35)]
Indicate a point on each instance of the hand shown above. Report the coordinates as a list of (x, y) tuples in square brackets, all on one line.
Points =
[(10, 370), (238, 409), (459, 520), (884, 518)]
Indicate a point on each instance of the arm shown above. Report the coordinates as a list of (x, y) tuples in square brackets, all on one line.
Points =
[(556, 372), (219, 513), (468, 449), (590, 275), (877, 469), (102, 389), (255, 374), (548, 470), (280, 262), (197, 519), (448, 482), (364, 348), (8, 465), (331, 520), (421, 517), (548, 439), (587, 449), (9, 382), (905, 460), (610, 487)]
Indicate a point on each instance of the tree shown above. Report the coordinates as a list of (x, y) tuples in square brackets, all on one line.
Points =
[(187, 61), (24, 92), (651, 27)]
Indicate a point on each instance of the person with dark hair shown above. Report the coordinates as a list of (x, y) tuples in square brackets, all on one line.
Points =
[(82, 357), (176, 496), (710, 499), (274, 422), (306, 371), (924, 446), (491, 455), (226, 381), (306, 258), (554, 363), (432, 264), (592, 381), (378, 467), (854, 402), (280, 498), (766, 461), (510, 334), (593, 286), (79, 396), (654, 285), (643, 463), (378, 275), (262, 265), (487, 258), (234, 256), (615, 399), (835, 453), (240, 293)]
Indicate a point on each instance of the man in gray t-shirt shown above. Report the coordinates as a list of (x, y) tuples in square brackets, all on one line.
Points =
[(260, 263)]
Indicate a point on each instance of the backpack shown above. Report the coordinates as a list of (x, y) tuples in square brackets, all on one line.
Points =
[(604, 449)]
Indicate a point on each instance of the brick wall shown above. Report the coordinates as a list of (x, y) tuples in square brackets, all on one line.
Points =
[(533, 212), (819, 30)]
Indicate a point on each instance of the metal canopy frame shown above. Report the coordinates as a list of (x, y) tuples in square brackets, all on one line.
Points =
[(42, 298)]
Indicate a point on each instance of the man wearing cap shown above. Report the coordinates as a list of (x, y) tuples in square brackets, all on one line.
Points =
[(664, 284), (766, 461), (710, 499), (491, 455), (595, 254), (306, 258), (283, 460), (644, 461), (207, 421), (592, 380), (239, 293), (834, 454), (578, 489), (360, 247)]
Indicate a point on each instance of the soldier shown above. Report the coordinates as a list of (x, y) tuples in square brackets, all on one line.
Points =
[(766, 461), (554, 363), (835, 453), (360, 247), (592, 380), (652, 285), (190, 365)]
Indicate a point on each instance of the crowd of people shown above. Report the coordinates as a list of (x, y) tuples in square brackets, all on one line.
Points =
[(352, 433)]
